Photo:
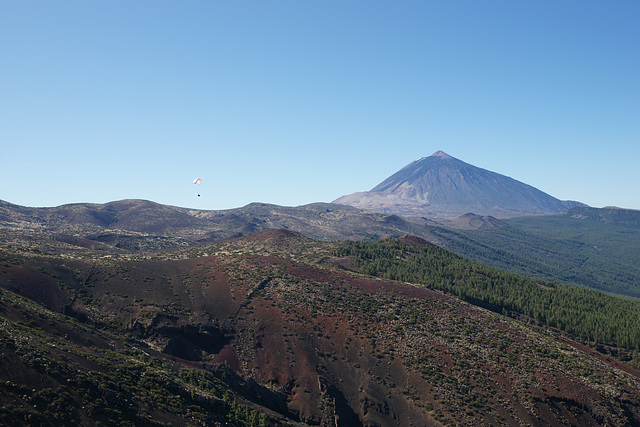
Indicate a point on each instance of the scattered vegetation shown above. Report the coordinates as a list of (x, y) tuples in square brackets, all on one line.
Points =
[(276, 329), (590, 315), (72, 374)]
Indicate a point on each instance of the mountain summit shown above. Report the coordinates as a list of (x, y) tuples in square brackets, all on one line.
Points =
[(442, 186), (440, 153)]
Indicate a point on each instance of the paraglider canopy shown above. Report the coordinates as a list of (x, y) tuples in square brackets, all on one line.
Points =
[(197, 181)]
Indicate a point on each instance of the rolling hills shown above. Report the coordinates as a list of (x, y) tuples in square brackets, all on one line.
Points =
[(535, 246)]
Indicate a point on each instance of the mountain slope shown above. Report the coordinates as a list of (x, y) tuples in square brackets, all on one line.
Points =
[(59, 370), (256, 321), (445, 187)]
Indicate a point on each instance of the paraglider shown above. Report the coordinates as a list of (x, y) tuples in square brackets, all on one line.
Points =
[(197, 181)]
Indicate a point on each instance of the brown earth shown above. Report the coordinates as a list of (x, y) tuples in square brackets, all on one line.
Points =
[(319, 345)]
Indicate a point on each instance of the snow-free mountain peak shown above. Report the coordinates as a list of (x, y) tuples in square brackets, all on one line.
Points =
[(444, 187), (442, 154)]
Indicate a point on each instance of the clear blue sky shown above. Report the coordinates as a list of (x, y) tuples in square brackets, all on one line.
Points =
[(293, 102)]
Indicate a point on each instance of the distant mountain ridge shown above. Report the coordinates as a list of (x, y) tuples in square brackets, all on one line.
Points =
[(537, 246), (607, 215), (444, 187), (145, 219)]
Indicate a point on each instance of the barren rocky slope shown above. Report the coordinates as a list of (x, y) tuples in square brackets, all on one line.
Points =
[(445, 187), (281, 326)]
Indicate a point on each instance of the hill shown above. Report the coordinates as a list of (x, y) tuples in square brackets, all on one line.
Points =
[(275, 328), (535, 246), (444, 187), (144, 225)]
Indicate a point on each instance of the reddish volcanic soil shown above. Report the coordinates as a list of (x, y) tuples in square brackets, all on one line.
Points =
[(317, 344)]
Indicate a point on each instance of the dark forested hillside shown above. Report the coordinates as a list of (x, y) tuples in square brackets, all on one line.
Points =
[(608, 215), (589, 315), (562, 248), (603, 255)]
